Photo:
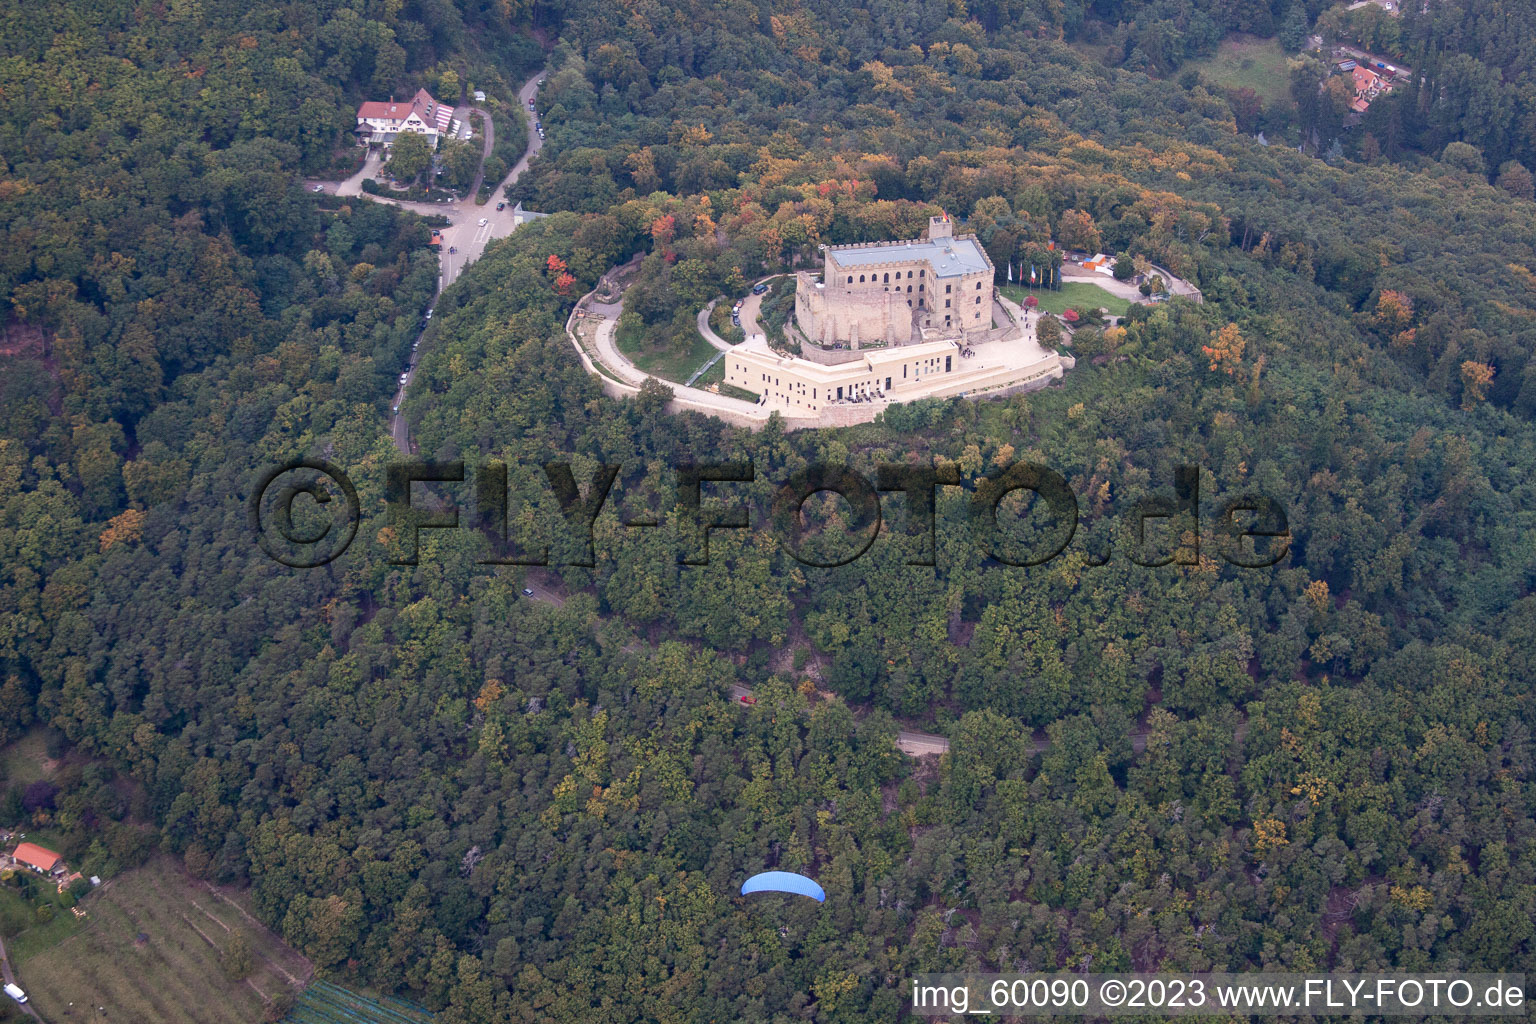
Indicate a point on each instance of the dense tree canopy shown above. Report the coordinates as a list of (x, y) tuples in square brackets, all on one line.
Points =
[(527, 810)]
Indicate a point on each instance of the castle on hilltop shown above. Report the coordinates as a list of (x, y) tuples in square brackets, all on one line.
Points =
[(895, 322), (896, 293)]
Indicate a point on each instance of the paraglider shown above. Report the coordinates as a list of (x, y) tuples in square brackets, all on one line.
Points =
[(784, 881)]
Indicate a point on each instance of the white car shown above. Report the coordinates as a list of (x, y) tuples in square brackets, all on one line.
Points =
[(429, 314), (483, 222), (318, 188)]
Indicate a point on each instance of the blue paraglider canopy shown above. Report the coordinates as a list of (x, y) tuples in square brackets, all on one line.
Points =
[(784, 881)]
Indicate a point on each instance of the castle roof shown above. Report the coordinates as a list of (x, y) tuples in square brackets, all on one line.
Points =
[(949, 257)]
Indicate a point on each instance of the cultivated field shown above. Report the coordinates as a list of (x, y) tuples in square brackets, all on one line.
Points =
[(150, 952)]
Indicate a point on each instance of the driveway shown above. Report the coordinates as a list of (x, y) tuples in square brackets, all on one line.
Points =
[(10, 979), (708, 331), (470, 228)]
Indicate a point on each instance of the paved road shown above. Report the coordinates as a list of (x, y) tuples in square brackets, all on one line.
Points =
[(470, 228), (10, 979), (1126, 290), (708, 331), (752, 305)]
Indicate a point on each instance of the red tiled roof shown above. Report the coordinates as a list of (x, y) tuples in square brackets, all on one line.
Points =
[(422, 105), (34, 856)]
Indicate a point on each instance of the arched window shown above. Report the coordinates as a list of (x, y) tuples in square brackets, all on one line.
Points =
[(861, 279), (887, 279)]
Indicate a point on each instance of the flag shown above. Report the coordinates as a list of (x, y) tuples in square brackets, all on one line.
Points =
[(1051, 245), (1033, 275), (1010, 272)]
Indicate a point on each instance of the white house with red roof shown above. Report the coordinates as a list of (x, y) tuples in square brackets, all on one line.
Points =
[(381, 122)]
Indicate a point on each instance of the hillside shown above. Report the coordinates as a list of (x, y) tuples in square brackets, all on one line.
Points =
[(508, 808)]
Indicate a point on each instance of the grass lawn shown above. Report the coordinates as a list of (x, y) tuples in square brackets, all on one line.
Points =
[(26, 760), (667, 363), (1250, 61), (148, 950), (1072, 293)]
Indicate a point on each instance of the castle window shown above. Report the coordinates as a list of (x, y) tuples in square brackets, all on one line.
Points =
[(887, 278), (948, 288), (850, 279), (909, 289), (946, 363), (922, 273), (978, 286), (946, 303), (861, 279)]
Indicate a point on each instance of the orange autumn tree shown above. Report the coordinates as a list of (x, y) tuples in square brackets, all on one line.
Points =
[(129, 526), (1394, 311), (1226, 349), (557, 269), (1475, 378)]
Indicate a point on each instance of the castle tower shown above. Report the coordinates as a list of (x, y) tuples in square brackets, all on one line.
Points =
[(940, 227)]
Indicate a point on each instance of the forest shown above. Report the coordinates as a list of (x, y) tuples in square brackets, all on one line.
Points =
[(514, 810)]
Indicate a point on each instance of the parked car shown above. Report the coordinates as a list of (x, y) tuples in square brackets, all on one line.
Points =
[(429, 314), (501, 206), (749, 700), (527, 592), (538, 124), (758, 289), (318, 188), (483, 222)]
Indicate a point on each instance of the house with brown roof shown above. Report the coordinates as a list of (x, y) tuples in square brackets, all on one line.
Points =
[(39, 858), (380, 122)]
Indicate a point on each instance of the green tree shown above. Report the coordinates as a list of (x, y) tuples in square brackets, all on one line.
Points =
[(409, 156)]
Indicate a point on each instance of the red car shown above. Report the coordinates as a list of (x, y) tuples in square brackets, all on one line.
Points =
[(749, 700)]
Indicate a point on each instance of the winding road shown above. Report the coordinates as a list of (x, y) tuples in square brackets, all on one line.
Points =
[(470, 228)]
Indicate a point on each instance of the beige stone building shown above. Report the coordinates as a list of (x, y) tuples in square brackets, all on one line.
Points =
[(896, 293), (894, 322)]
